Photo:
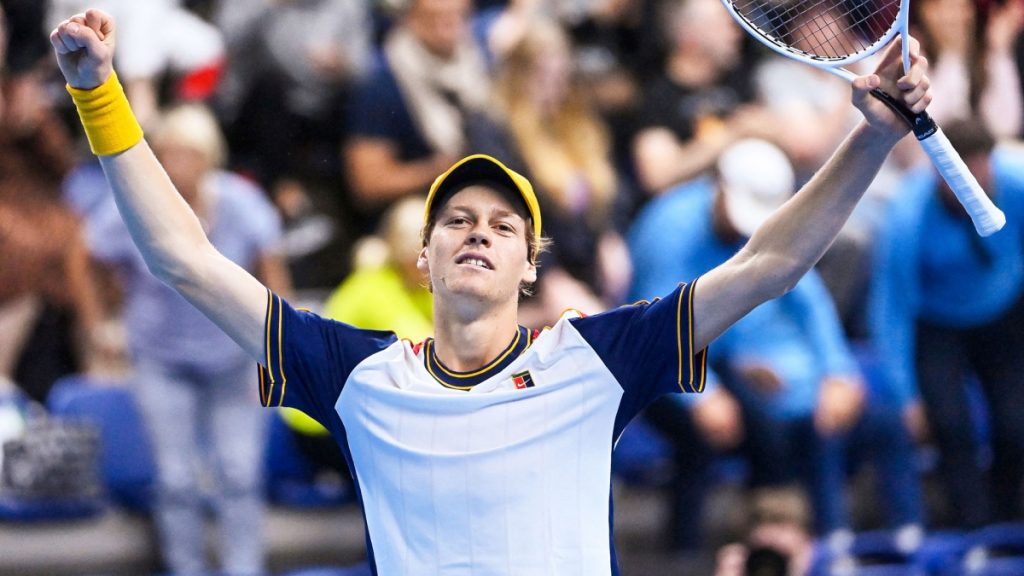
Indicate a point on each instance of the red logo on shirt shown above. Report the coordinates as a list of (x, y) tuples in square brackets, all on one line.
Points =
[(522, 380)]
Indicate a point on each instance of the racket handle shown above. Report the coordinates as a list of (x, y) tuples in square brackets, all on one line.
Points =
[(986, 217)]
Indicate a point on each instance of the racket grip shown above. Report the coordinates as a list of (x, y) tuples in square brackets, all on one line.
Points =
[(987, 218)]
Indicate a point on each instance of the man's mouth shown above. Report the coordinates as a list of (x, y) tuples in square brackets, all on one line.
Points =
[(474, 260)]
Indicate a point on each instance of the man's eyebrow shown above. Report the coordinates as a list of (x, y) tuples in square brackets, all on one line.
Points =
[(494, 212)]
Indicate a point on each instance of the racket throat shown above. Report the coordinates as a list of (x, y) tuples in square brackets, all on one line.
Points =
[(921, 123)]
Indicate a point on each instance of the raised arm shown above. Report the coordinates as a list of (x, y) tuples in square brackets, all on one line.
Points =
[(795, 237), (161, 223)]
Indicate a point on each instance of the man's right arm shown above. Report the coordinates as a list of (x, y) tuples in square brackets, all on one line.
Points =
[(161, 223)]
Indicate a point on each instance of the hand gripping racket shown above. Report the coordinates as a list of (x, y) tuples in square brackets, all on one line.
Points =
[(829, 34)]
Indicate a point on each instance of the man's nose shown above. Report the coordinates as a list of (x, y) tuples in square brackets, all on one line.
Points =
[(480, 237)]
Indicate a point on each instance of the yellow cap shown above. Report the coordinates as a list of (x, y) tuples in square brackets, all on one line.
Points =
[(483, 169)]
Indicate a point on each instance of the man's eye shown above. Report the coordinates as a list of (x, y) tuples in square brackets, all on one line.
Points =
[(506, 228)]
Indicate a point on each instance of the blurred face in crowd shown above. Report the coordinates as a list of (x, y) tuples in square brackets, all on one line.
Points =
[(703, 26), (439, 24), (826, 33), (552, 67), (189, 143), (949, 23), (186, 166)]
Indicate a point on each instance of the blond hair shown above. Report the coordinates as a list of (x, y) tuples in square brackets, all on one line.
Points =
[(573, 142), (192, 126)]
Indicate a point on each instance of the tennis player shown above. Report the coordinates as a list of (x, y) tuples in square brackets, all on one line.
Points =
[(486, 449)]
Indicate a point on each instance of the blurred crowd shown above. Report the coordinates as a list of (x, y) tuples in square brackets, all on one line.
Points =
[(304, 133)]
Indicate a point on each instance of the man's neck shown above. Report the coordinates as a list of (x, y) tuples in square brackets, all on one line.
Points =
[(465, 344)]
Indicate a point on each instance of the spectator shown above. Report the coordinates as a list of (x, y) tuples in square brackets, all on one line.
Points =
[(703, 101), (424, 103), (971, 47), (149, 50), (566, 148), (192, 379), (291, 65), (384, 292), (49, 306), (787, 362), (946, 305)]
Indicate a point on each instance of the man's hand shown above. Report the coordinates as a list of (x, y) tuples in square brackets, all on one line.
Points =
[(718, 416), (84, 45), (913, 88), (839, 405)]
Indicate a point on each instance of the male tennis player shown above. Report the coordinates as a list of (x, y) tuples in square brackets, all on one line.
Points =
[(487, 449)]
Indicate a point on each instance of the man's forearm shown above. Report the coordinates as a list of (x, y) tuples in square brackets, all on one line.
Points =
[(161, 223), (800, 232)]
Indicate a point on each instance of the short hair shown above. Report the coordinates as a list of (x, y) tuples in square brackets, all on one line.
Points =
[(969, 137), (194, 126)]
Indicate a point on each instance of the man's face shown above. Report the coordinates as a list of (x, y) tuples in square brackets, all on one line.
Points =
[(478, 248), (439, 24)]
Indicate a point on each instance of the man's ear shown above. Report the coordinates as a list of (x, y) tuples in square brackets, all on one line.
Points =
[(422, 263), (531, 274)]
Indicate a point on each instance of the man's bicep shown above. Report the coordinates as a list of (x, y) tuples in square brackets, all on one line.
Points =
[(724, 295), (232, 298)]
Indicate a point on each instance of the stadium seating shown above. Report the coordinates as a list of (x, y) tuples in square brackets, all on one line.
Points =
[(291, 480), (126, 458)]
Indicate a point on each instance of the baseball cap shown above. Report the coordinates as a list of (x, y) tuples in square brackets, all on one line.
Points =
[(482, 169), (757, 178)]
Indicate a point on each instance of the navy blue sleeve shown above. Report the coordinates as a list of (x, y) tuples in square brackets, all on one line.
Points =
[(648, 347), (309, 358)]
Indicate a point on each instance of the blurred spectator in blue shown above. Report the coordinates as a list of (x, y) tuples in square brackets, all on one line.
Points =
[(787, 362), (566, 149), (195, 384), (425, 103), (150, 51), (703, 100), (947, 304), (971, 48)]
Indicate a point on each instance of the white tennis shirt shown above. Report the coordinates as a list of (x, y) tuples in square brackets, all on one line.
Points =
[(501, 471)]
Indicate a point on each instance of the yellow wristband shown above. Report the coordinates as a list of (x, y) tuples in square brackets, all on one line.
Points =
[(107, 117)]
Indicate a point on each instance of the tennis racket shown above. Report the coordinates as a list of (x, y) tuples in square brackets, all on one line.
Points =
[(829, 34)]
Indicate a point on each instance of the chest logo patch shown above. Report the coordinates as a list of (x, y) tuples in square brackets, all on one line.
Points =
[(522, 380)]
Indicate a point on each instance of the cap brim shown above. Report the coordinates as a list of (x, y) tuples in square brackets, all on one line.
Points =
[(480, 168)]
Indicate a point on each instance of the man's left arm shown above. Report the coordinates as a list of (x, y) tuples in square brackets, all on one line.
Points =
[(789, 243)]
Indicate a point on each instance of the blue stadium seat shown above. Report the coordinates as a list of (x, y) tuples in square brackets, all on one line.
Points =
[(357, 570), (642, 456), (126, 457), (1009, 566), (1000, 539), (291, 479), (14, 508), (941, 553)]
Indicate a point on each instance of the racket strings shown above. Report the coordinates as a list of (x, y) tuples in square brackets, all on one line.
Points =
[(821, 29)]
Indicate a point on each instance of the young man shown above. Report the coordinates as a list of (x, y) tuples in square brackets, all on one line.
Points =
[(486, 449)]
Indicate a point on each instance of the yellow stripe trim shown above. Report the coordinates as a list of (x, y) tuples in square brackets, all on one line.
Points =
[(689, 314), (270, 366), (428, 351), (280, 351), (498, 360), (679, 338), (259, 374)]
